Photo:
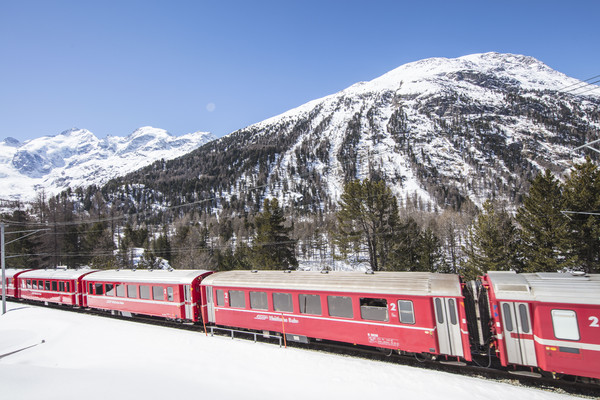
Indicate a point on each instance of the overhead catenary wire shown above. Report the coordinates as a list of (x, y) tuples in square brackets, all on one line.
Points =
[(582, 85)]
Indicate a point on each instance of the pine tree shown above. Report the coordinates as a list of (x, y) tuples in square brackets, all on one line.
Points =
[(272, 247), (368, 215), (407, 247), (430, 253), (543, 228), (582, 202), (492, 243)]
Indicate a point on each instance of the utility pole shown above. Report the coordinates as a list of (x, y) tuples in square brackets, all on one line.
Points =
[(3, 268)]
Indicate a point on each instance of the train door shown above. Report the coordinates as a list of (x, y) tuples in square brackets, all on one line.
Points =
[(209, 304), (189, 305), (520, 348), (448, 327)]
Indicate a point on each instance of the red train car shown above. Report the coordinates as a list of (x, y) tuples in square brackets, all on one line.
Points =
[(547, 320), (406, 311), (11, 275), (61, 286), (161, 293)]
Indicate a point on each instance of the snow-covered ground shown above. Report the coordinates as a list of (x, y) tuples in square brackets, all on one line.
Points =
[(91, 357)]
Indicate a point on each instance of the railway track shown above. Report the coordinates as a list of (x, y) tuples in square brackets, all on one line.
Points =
[(494, 372)]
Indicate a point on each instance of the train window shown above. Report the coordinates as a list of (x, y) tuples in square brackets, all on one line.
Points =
[(524, 318), (68, 286), (120, 290), (340, 306), (258, 301), (310, 304), (565, 324), (220, 297), (373, 309), (54, 286), (283, 302), (145, 292), (169, 294), (237, 298), (158, 293), (28, 283), (47, 285), (90, 288), (33, 284), (110, 289), (452, 310), (132, 291), (407, 312), (507, 317), (61, 286), (99, 287), (439, 310)]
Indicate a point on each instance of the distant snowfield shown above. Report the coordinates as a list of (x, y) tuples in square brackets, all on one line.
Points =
[(91, 357)]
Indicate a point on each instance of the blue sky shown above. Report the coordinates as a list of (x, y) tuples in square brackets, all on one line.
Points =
[(185, 66)]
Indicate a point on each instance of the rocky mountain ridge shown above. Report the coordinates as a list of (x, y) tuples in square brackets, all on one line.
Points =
[(77, 158), (440, 132)]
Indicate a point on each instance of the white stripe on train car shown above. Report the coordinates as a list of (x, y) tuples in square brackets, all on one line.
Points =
[(308, 316)]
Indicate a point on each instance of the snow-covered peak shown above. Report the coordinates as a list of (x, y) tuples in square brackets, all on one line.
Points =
[(442, 130), (476, 72), (76, 157), (508, 69), (10, 141)]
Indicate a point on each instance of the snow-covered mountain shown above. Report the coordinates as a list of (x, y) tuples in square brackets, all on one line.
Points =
[(441, 132), (78, 158)]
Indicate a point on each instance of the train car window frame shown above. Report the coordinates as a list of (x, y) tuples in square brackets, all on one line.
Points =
[(169, 293), (340, 306), (110, 289), (283, 302), (565, 325), (310, 304), (145, 292), (54, 286), (452, 310), (237, 299), (220, 296), (132, 292), (68, 286), (28, 284), (439, 310), (508, 323), (90, 288), (259, 301), (524, 316), (46, 285), (99, 289), (158, 293), (374, 309), (120, 290), (406, 312), (61, 286)]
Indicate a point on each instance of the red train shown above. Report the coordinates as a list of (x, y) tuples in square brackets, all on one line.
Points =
[(547, 322)]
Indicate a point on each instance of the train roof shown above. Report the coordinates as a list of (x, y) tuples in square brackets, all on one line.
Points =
[(150, 276), (549, 287), (413, 283), (11, 272), (56, 273)]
